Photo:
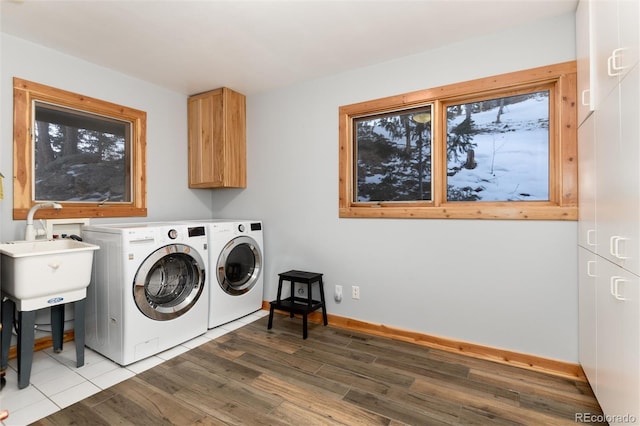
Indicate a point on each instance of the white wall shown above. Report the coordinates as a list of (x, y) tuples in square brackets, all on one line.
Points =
[(507, 284), (168, 196)]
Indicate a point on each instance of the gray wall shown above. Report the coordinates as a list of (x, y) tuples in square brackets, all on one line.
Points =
[(507, 284)]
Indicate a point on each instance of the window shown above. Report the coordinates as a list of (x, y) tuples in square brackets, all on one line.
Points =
[(498, 148), (87, 154), (393, 156), (502, 147)]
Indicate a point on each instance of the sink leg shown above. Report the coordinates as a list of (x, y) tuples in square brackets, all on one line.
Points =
[(57, 327), (26, 323), (8, 310), (78, 315)]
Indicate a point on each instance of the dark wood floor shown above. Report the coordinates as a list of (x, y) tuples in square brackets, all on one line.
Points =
[(257, 376)]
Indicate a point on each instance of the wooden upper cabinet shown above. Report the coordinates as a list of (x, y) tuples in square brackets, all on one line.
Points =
[(217, 139)]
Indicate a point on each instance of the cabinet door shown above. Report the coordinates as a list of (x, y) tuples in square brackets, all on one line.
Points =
[(628, 34), (629, 172), (587, 314), (618, 182), (605, 35), (587, 183), (618, 313), (608, 182), (616, 39), (206, 132), (585, 59)]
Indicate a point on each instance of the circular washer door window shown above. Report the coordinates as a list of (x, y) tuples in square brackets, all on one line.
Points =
[(239, 265), (169, 282)]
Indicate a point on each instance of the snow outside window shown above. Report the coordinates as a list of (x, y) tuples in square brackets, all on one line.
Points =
[(501, 147), (498, 149)]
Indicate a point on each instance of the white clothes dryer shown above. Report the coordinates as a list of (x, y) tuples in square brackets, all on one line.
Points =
[(149, 290), (236, 261)]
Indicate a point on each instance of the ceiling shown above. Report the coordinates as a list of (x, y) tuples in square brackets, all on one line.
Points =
[(253, 46)]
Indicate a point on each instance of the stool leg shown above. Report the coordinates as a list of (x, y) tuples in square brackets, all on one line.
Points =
[(8, 311), (26, 323), (57, 327), (78, 327), (324, 305), (279, 297), (270, 324), (272, 308), (293, 295), (304, 325)]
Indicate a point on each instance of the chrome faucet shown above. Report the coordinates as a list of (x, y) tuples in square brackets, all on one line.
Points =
[(30, 232)]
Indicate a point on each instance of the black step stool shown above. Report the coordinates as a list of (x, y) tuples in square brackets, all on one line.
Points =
[(299, 305)]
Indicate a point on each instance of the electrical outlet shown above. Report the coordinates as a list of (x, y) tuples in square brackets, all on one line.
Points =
[(355, 292), (302, 292), (338, 293)]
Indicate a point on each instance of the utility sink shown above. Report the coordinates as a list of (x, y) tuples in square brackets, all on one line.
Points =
[(43, 273)]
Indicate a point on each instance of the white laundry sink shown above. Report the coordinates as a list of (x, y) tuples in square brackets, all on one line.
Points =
[(39, 274)]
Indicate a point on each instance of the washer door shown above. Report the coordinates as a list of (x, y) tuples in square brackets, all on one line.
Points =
[(169, 282), (239, 265)]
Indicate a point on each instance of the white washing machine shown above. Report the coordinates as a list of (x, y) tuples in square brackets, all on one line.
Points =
[(149, 289), (236, 259)]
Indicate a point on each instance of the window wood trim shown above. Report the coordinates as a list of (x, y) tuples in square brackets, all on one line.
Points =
[(24, 93), (563, 168)]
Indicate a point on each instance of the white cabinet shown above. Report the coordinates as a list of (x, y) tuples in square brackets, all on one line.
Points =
[(587, 236), (629, 33), (618, 334), (628, 171), (587, 314), (607, 48), (609, 217), (617, 188), (614, 31), (585, 51), (609, 316), (605, 33), (607, 188)]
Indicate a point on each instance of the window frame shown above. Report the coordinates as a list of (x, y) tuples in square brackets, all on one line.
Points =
[(25, 93), (563, 168)]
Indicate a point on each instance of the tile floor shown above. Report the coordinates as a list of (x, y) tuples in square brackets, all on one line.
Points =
[(57, 383)]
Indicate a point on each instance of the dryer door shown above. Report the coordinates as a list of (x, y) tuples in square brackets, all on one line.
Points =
[(239, 265), (169, 282)]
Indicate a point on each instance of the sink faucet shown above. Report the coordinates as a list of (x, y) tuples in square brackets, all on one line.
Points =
[(30, 232)]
